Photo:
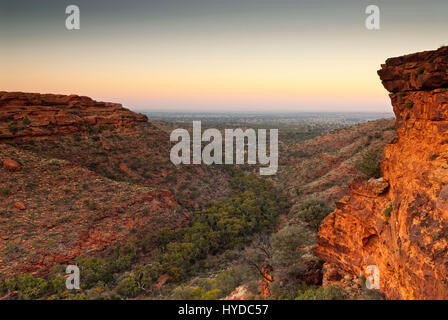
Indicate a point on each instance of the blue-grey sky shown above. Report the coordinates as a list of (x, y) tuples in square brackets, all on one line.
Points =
[(215, 55)]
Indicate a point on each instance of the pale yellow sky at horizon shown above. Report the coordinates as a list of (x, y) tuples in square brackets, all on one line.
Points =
[(266, 66)]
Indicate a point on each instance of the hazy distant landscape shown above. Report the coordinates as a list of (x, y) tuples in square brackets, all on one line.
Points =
[(292, 126), (326, 177), (192, 231), (278, 117)]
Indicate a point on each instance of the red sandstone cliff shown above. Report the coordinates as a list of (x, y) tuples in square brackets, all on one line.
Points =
[(54, 210), (33, 114), (400, 224)]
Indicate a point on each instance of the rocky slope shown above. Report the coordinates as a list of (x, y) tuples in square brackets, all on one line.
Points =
[(53, 211), (25, 115), (80, 178), (400, 223), (321, 167)]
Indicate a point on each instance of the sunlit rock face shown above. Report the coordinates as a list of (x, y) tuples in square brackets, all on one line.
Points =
[(401, 227), (32, 115)]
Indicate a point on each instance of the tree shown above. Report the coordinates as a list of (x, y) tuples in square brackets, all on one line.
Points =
[(227, 280), (128, 287), (370, 164), (282, 253), (30, 287), (258, 253), (313, 211), (287, 248)]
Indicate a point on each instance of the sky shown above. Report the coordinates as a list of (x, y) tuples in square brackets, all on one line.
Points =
[(215, 55)]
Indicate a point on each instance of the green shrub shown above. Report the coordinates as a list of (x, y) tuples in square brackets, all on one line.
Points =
[(11, 284), (26, 121), (313, 211), (211, 295), (226, 281), (409, 104), (370, 164), (57, 285), (13, 128), (92, 205), (187, 293), (226, 224), (6, 191), (285, 248), (128, 287), (30, 287), (94, 270), (3, 288), (148, 274), (12, 248), (322, 293), (387, 211), (6, 118)]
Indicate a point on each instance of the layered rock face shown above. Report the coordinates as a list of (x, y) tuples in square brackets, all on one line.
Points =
[(25, 115), (400, 223)]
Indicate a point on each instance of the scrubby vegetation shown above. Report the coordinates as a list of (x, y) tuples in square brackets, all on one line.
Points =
[(313, 211), (224, 225), (246, 235), (387, 211), (409, 105), (320, 293), (370, 164)]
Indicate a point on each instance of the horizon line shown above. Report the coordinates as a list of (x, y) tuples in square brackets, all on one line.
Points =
[(257, 112)]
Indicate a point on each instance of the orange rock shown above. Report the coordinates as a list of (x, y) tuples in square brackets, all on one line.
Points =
[(163, 278), (19, 205), (240, 293), (400, 223), (170, 203), (123, 167), (11, 165), (51, 114), (265, 284)]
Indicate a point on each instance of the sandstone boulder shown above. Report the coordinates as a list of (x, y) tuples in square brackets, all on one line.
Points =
[(11, 165), (19, 205)]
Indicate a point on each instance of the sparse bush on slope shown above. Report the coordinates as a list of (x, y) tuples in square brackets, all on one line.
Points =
[(370, 164), (313, 211)]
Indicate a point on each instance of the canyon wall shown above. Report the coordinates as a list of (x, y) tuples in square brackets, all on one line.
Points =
[(400, 222), (53, 211), (25, 115)]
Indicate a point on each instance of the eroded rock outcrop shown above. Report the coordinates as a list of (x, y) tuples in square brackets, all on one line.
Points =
[(400, 224), (265, 284), (25, 115), (11, 165)]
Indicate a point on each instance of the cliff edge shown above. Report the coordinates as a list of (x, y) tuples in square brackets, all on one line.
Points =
[(31, 115), (400, 223)]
